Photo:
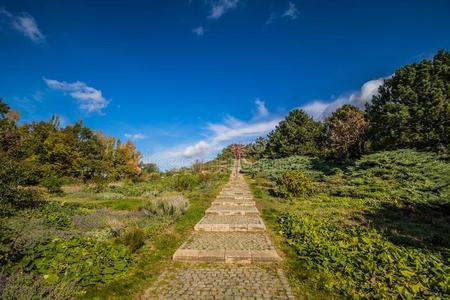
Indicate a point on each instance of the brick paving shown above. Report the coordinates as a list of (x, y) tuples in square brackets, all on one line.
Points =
[(231, 243)]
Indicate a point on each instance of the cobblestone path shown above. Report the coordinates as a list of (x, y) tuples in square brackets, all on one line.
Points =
[(229, 256)]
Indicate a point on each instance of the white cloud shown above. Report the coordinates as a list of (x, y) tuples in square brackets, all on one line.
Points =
[(220, 7), (291, 12), (88, 98), (199, 31), (218, 135), (25, 24), (261, 110), (199, 149), (320, 109), (135, 136)]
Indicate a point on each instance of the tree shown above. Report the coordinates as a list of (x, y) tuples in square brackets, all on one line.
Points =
[(257, 149), (344, 133), (412, 109), (298, 134), (13, 194)]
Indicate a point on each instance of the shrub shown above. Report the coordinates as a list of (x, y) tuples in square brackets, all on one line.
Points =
[(133, 238), (185, 181), (81, 260), (23, 286), (172, 205), (57, 215), (53, 184), (294, 184), (360, 263)]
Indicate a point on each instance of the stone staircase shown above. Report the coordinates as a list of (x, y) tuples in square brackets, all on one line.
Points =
[(231, 231), (229, 255)]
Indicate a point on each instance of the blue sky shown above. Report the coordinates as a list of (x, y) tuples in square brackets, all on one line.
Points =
[(183, 78)]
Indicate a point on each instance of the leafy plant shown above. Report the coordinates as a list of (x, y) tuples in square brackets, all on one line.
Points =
[(133, 238), (53, 184), (294, 183), (80, 259), (359, 263)]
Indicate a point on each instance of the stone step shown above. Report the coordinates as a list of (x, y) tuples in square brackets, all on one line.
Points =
[(230, 223), (230, 247), (227, 210), (232, 202)]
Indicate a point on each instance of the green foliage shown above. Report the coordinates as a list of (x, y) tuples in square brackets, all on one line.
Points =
[(77, 259), (345, 133), (412, 109), (184, 181), (406, 175), (298, 134), (257, 149), (22, 286), (53, 184), (273, 169), (294, 184), (172, 205), (359, 263), (133, 238)]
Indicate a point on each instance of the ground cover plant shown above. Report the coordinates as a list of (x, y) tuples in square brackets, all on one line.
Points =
[(81, 242), (376, 227)]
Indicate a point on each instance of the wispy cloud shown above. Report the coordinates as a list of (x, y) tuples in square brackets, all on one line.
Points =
[(199, 31), (291, 12), (88, 98), (221, 7), (320, 109), (198, 149), (25, 24), (217, 136), (135, 136), (261, 109)]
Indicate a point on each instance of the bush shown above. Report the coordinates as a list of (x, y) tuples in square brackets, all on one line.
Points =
[(294, 184), (133, 238), (172, 205), (22, 286), (360, 263), (185, 182), (81, 260), (53, 184), (58, 215), (13, 195)]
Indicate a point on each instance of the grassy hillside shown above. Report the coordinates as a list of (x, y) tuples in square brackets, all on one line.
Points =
[(110, 244), (378, 227)]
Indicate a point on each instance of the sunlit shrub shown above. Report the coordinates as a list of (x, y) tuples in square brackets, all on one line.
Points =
[(294, 184), (133, 238), (53, 184), (172, 205)]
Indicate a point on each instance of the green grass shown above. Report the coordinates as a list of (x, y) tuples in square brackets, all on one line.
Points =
[(103, 245), (157, 255), (396, 202)]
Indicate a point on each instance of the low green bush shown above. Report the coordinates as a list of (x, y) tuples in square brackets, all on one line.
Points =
[(294, 184), (170, 205), (360, 263), (23, 286), (184, 181), (133, 238), (53, 184), (78, 259)]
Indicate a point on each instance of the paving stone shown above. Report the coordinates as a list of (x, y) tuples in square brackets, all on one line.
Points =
[(232, 210), (230, 223), (210, 240), (221, 283)]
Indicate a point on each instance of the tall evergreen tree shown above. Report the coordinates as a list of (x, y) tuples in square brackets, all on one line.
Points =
[(412, 109), (298, 134)]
